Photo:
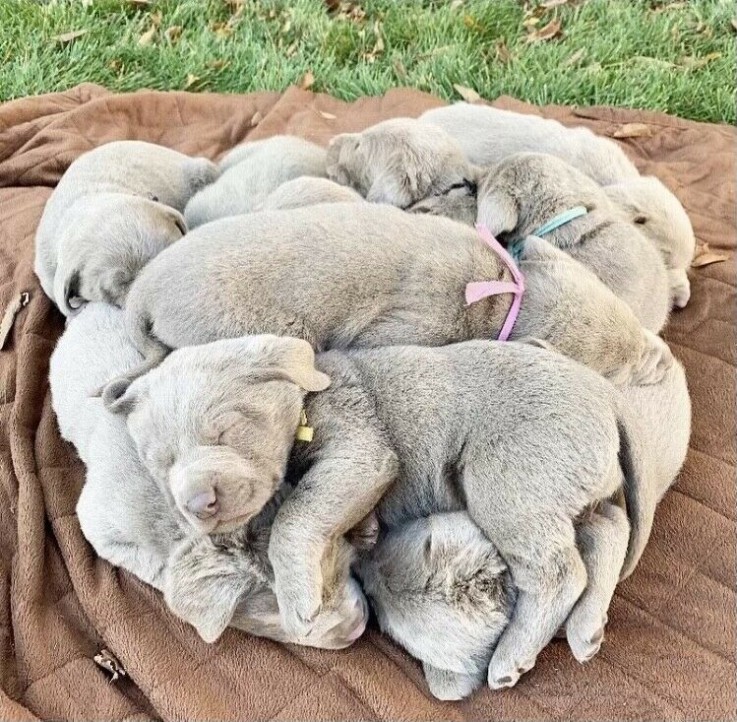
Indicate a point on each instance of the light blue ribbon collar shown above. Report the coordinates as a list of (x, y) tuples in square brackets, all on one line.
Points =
[(560, 220)]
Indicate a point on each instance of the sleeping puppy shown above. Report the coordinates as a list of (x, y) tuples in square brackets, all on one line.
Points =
[(132, 522), (400, 162), (251, 172), (489, 135), (307, 191), (375, 276), (114, 209), (442, 574), (528, 190), (377, 423)]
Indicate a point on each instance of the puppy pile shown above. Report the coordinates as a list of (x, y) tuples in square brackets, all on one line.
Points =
[(418, 371)]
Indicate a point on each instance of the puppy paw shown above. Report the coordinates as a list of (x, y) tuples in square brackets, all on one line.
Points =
[(505, 673), (365, 534), (299, 606), (450, 686), (585, 630), (655, 360)]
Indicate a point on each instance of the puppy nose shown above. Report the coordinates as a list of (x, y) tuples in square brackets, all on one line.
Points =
[(203, 505)]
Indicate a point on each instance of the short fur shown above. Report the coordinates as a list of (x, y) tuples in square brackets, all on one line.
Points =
[(308, 191), (251, 172), (374, 276), (211, 582), (399, 162), (489, 135), (529, 189), (114, 209)]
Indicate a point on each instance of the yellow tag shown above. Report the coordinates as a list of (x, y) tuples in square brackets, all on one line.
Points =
[(304, 432)]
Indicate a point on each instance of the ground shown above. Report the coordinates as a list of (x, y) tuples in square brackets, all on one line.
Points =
[(669, 55)]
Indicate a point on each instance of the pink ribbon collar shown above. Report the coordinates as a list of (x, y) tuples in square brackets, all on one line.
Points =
[(478, 290)]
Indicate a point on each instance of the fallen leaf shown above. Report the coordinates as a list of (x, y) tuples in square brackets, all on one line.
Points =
[(575, 58), (502, 52), (148, 37), (173, 33), (327, 116), (530, 21), (734, 24), (116, 65), (69, 37), (218, 64), (191, 80), (256, 118), (468, 94), (399, 68), (632, 130), (291, 51), (308, 80), (471, 23), (156, 18), (553, 3), (695, 63), (221, 29), (704, 256), (548, 32)]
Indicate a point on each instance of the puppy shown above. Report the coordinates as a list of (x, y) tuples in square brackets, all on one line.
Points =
[(545, 460), (440, 572), (399, 162), (374, 276), (489, 135), (251, 172), (132, 522), (112, 211), (525, 191), (307, 191)]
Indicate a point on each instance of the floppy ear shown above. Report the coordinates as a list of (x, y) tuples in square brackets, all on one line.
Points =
[(178, 220), (395, 189), (120, 396), (294, 360), (497, 211)]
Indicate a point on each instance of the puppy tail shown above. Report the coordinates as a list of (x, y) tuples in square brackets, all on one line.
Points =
[(66, 291), (639, 486)]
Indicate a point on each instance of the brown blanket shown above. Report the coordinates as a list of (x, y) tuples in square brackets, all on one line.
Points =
[(669, 651)]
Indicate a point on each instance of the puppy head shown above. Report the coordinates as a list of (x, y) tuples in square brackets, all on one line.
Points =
[(525, 190), (214, 424), (459, 204), (399, 162), (440, 589), (101, 254), (648, 204)]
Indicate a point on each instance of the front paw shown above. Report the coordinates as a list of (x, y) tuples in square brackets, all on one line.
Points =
[(655, 361), (505, 670), (300, 604)]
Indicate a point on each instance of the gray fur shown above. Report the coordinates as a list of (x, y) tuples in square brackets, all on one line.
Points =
[(132, 522), (527, 190), (112, 211), (399, 162), (250, 173), (369, 277), (489, 135), (308, 191)]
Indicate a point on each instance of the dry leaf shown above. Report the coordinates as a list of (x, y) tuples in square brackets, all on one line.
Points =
[(191, 80), (148, 37), (116, 65), (69, 37), (221, 29), (548, 32), (696, 63), (256, 118), (632, 130), (705, 257), (502, 52), (218, 64), (173, 33), (156, 18), (575, 58), (530, 21), (553, 3), (327, 116), (291, 51), (308, 80), (468, 94), (734, 23)]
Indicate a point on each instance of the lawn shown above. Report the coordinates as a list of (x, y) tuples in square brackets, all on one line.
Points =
[(667, 55)]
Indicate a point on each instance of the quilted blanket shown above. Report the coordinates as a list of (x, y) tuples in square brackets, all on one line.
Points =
[(670, 645)]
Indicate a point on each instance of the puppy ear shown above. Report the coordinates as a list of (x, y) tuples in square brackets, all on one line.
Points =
[(67, 291), (395, 188), (293, 359), (120, 396), (497, 211), (178, 220)]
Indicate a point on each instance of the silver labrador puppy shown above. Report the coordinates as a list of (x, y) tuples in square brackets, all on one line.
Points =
[(113, 210)]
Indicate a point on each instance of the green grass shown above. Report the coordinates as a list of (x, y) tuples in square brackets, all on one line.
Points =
[(677, 57)]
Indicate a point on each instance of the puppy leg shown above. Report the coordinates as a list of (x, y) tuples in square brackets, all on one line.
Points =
[(655, 360), (447, 685), (602, 538), (331, 498)]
